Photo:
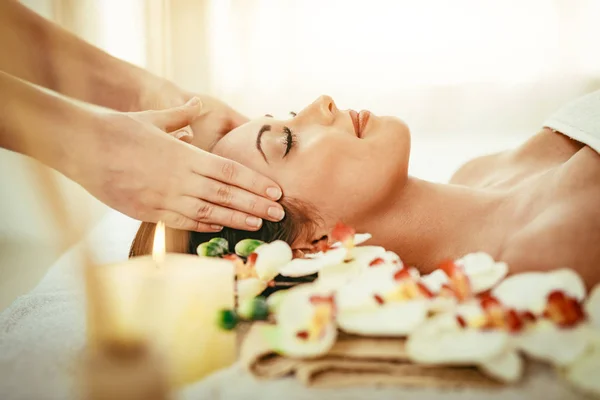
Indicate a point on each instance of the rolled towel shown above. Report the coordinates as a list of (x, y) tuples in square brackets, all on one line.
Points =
[(354, 361)]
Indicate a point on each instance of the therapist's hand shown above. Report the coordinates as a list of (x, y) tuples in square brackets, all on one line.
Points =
[(142, 172), (214, 121)]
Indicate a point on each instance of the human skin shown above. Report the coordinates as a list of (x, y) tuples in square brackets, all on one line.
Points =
[(36, 51), (534, 207)]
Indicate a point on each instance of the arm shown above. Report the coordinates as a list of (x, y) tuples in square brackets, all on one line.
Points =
[(126, 160), (39, 51)]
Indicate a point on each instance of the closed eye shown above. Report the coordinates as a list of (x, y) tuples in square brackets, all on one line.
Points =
[(289, 140)]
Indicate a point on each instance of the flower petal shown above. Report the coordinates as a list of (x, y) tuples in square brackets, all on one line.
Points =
[(547, 342), (583, 374), (592, 307), (435, 280), (247, 289), (505, 367), (308, 266), (483, 272), (360, 238), (442, 341), (529, 290), (389, 319), (296, 314), (271, 257)]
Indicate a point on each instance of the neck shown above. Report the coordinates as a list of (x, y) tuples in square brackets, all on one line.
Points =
[(426, 223)]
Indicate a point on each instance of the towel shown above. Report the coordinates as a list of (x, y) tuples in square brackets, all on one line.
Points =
[(354, 361), (579, 120)]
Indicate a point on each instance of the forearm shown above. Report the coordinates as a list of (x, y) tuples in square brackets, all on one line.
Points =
[(39, 51), (43, 125)]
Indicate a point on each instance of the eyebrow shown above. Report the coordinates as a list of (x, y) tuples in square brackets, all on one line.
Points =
[(263, 129)]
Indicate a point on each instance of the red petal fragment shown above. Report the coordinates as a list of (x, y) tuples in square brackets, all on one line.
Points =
[(302, 335), (449, 267), (446, 291), (271, 283), (489, 302), (377, 261), (424, 290), (402, 275), (378, 299), (343, 233), (514, 323), (528, 316), (317, 299), (461, 321), (563, 310), (251, 259)]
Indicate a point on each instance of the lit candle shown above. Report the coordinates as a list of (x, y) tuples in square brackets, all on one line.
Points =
[(171, 300)]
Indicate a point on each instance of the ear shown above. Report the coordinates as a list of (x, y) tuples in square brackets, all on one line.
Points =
[(318, 242)]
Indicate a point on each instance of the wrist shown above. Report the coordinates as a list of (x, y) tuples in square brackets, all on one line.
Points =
[(158, 94)]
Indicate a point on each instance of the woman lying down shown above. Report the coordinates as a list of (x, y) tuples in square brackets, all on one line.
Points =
[(536, 207)]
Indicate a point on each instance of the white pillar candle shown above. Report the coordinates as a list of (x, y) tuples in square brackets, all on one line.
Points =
[(173, 301)]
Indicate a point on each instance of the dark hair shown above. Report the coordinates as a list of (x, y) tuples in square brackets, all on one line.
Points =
[(299, 221)]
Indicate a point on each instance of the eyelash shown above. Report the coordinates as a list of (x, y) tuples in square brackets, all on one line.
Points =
[(290, 140)]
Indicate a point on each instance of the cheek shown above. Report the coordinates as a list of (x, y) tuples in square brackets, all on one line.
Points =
[(336, 176)]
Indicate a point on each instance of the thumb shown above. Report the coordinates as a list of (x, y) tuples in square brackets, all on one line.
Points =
[(178, 117)]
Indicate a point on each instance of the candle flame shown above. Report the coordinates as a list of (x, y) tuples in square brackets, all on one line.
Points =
[(158, 248)]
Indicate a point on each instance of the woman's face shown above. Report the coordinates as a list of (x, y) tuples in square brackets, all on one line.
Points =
[(343, 163)]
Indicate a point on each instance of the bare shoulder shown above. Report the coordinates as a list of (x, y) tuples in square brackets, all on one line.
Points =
[(476, 171)]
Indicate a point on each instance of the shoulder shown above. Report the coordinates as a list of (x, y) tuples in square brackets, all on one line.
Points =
[(475, 171)]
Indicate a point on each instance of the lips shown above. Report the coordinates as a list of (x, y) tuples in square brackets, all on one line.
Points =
[(359, 120)]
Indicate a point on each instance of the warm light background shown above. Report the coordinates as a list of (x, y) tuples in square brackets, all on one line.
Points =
[(469, 76)]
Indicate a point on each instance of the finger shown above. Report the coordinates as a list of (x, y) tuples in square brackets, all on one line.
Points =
[(234, 198), (185, 134), (228, 171), (178, 221), (213, 214), (177, 117)]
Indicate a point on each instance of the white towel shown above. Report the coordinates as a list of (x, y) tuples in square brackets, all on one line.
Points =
[(579, 120)]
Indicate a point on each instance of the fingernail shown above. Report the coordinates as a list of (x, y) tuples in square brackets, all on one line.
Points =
[(274, 193), (276, 213), (193, 101), (216, 227), (180, 134), (253, 221)]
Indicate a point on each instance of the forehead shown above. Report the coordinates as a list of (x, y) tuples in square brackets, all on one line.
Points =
[(240, 145)]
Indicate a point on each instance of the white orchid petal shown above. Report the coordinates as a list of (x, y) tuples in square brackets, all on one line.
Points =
[(583, 374), (442, 341), (435, 280), (359, 292), (307, 266), (271, 257), (592, 307), (360, 238), (338, 275), (547, 342), (442, 304), (294, 314), (390, 319), (483, 272), (247, 289), (365, 254), (505, 367), (292, 346), (274, 300), (529, 290)]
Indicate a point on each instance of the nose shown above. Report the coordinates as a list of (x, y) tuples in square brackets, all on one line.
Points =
[(323, 110)]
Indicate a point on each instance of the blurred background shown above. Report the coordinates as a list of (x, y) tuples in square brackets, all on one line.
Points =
[(469, 76)]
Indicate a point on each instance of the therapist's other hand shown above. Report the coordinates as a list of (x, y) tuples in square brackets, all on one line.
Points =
[(214, 121), (140, 171)]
